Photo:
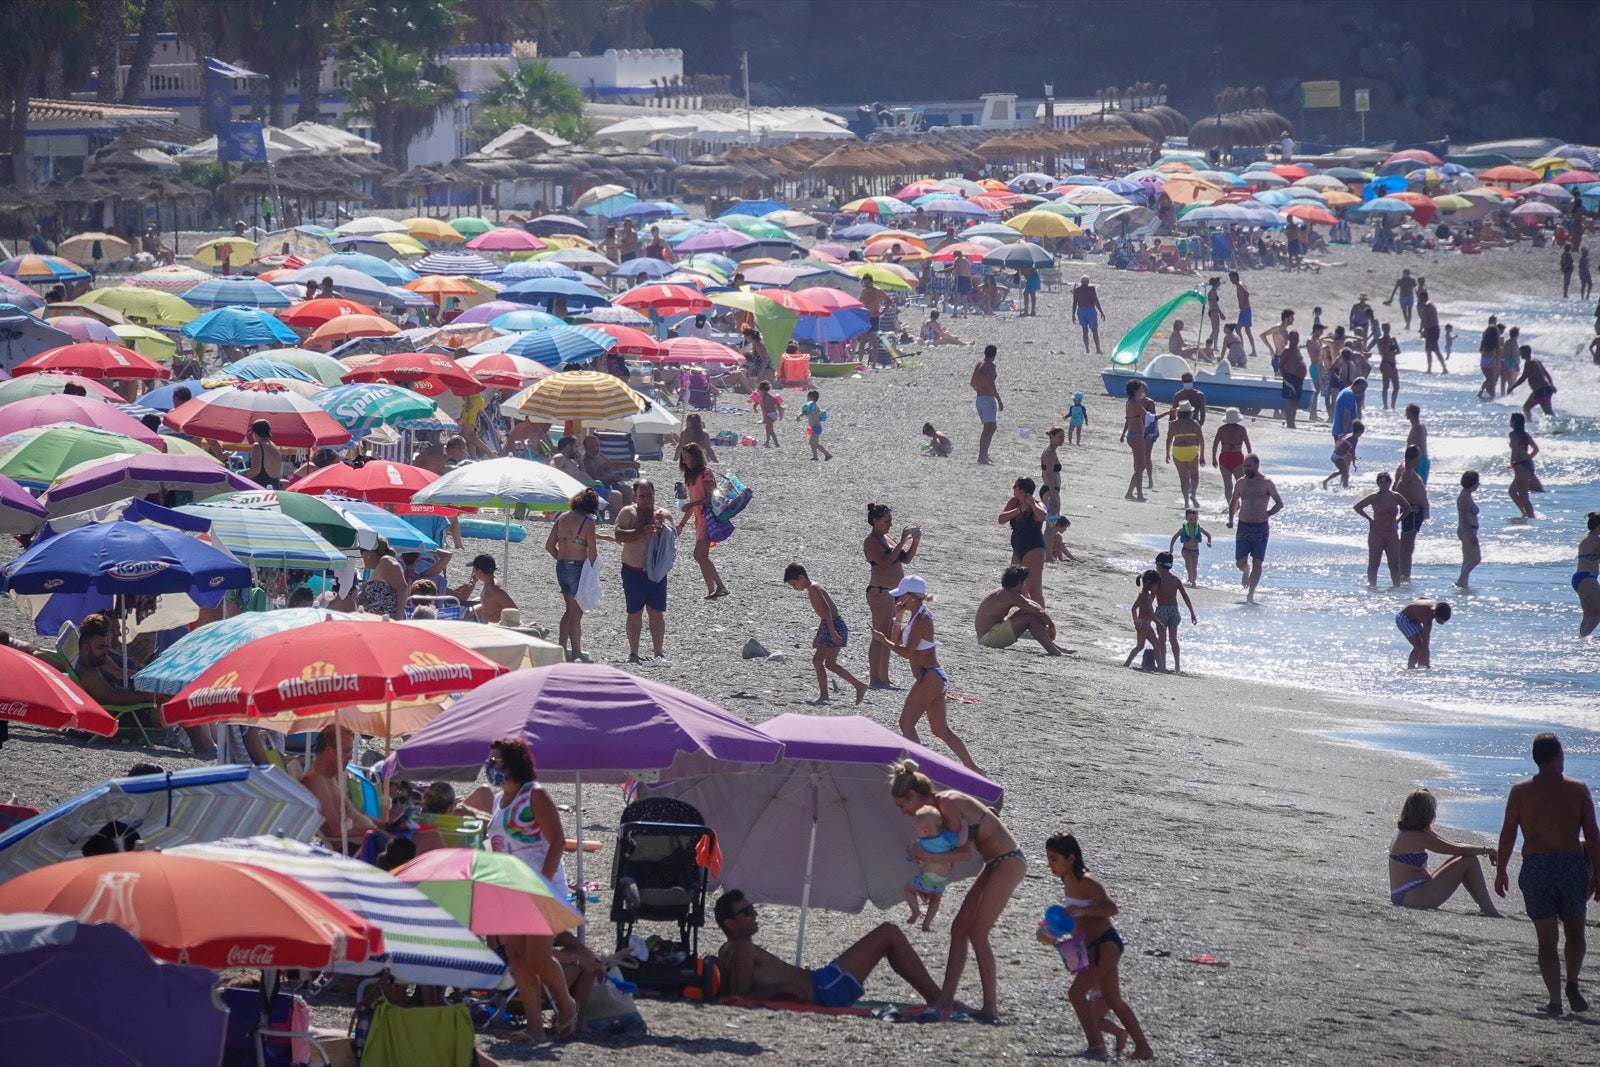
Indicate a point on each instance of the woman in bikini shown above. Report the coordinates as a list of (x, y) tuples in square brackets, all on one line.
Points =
[(1026, 518), (1410, 884), (384, 591), (1383, 511), (887, 560), (1467, 528), (702, 486), (1584, 580), (1523, 479), (1133, 434), (1186, 444), (572, 542), (1003, 871), (914, 640), (1229, 445), (1050, 472)]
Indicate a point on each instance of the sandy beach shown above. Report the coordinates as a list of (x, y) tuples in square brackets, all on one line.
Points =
[(1219, 817)]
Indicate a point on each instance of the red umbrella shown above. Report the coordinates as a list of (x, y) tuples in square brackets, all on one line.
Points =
[(427, 373), (325, 666), (309, 314), (503, 370), (375, 481), (695, 350), (630, 341), (1290, 171), (92, 359), (799, 303), (970, 249), (1422, 206), (1509, 174), (201, 912), (665, 299), (38, 694), (82, 410), (226, 414)]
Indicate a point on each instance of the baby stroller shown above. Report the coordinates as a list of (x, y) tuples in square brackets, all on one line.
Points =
[(662, 865)]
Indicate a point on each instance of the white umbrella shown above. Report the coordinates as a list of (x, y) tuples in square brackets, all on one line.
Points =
[(503, 483), (370, 224)]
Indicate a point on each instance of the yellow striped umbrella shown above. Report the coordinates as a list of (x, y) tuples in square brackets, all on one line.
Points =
[(580, 396)]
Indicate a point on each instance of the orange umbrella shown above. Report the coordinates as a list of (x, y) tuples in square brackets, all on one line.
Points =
[(170, 904), (439, 286), (1510, 174), (1308, 213), (995, 185), (345, 327), (798, 303), (309, 314), (1186, 189), (897, 235)]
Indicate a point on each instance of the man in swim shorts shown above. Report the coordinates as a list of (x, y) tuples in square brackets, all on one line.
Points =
[(1559, 871), (1008, 613), (1255, 500), (1541, 384), (988, 402), (751, 971), (1087, 311)]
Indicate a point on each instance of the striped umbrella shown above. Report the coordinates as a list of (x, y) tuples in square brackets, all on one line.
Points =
[(35, 269), (620, 316), (562, 344), (124, 477), (235, 292), (695, 350), (491, 892), (580, 396), (516, 272), (187, 657), (336, 527), (459, 264), (226, 415), (364, 406), (422, 942), (503, 370), (266, 538), (630, 342), (173, 279), (202, 804)]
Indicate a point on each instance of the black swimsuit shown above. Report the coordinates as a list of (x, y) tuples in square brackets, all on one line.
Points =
[(1027, 534)]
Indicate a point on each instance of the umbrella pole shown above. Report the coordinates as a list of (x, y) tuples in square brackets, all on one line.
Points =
[(811, 859), (344, 791), (583, 894), (505, 551)]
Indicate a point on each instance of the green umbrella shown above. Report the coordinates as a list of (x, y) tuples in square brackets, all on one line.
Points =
[(329, 522), (144, 305), (31, 385), (760, 229), (323, 368), (368, 405), (471, 226), (37, 456)]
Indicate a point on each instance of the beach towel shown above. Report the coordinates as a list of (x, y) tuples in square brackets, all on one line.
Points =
[(661, 554)]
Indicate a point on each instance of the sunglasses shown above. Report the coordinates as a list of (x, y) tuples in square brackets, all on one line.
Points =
[(748, 909)]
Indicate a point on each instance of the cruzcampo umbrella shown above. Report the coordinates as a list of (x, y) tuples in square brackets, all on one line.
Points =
[(37, 456), (369, 405), (491, 893), (243, 327), (109, 479), (266, 538)]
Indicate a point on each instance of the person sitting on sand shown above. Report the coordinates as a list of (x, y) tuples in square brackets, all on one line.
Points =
[(1415, 622), (927, 886), (1410, 884), (1177, 345), (939, 444), (1008, 613), (1059, 552), (933, 332), (832, 635), (751, 971), (1147, 632)]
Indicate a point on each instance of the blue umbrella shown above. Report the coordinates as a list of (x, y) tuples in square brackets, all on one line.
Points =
[(1401, 166), (186, 658), (839, 326), (525, 320), (544, 290), (563, 344), (632, 268), (255, 368), (1275, 197), (123, 558), (648, 209), (860, 231), (1123, 187), (401, 535), (236, 292), (1393, 183), (1384, 206), (756, 207), (928, 198), (24, 335), (516, 272), (245, 327), (385, 271)]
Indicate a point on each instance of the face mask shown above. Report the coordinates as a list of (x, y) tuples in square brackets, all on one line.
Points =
[(496, 773)]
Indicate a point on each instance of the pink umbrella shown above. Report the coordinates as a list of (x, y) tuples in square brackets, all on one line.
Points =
[(832, 248), (82, 410), (506, 239), (695, 350), (487, 312), (114, 478)]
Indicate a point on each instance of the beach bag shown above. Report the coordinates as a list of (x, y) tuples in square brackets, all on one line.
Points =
[(661, 555), (717, 530), (732, 496), (588, 595), (611, 1011)]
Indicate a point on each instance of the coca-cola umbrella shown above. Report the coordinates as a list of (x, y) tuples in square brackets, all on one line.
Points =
[(226, 414), (39, 695), (664, 299), (92, 359), (426, 373), (309, 314), (375, 481), (170, 903), (504, 371)]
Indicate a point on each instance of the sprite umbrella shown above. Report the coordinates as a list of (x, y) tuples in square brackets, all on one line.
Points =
[(241, 326), (109, 479), (369, 405), (491, 892), (38, 456), (266, 538), (187, 657)]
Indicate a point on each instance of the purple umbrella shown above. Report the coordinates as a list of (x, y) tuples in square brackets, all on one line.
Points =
[(85, 329), (713, 241), (114, 478), (829, 786), (488, 311), (82, 410), (19, 512)]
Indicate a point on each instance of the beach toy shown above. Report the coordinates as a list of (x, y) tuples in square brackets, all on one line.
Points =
[(747, 441), (489, 530), (1058, 922), (1024, 433)]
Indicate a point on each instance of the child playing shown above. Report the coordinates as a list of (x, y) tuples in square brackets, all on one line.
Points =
[(813, 416), (1086, 900), (832, 636), (1058, 542), (927, 885), (1077, 419), (1168, 615), (770, 406), (1415, 621), (1449, 341), (1344, 455), (1190, 533), (939, 444), (1144, 619)]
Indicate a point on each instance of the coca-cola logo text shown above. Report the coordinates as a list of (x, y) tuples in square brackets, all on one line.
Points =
[(13, 709), (250, 955)]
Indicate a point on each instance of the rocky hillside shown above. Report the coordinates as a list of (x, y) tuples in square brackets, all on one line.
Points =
[(1473, 69)]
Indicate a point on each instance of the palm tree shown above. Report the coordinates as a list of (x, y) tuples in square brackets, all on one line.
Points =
[(533, 93), (400, 92), (152, 19)]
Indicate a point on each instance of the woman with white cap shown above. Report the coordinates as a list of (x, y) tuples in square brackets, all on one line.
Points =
[(1229, 445), (914, 640)]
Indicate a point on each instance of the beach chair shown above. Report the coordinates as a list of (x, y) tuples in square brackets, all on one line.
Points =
[(363, 791), (403, 1037), (130, 717), (284, 1040), (457, 831), (445, 607), (661, 868), (618, 447)]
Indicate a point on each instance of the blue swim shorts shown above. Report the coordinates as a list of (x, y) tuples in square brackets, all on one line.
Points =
[(988, 410), (1250, 541), (1088, 318), (833, 988)]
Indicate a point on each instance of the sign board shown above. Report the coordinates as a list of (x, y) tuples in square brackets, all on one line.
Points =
[(1363, 99), (1319, 94)]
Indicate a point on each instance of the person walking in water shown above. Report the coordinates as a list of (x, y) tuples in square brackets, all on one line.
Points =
[(988, 401), (1406, 287), (1560, 864), (1255, 500)]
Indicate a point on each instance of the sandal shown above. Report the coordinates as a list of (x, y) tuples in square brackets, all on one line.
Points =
[(566, 1029)]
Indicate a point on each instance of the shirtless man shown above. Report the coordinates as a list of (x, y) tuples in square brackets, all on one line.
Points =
[(1008, 613), (1191, 396), (1229, 447), (1428, 323), (1246, 316), (961, 270), (1087, 311), (1406, 286), (1558, 873), (341, 826), (597, 465), (1409, 484), (494, 600), (874, 300), (753, 972), (1292, 369), (636, 525), (988, 401), (1255, 500), (1389, 367), (1276, 338), (1541, 386), (1418, 435)]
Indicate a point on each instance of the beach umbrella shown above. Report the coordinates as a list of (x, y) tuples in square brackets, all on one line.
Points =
[(184, 660), (504, 371), (46, 384), (1384, 205), (438, 286), (547, 290), (316, 366), (596, 194), (309, 314), (1547, 191), (491, 893), (376, 481), (503, 483), (696, 350), (1575, 177), (1336, 199), (121, 558), (240, 250), (26, 335), (258, 367), (379, 244), (386, 271), (92, 360), (652, 268), (515, 272), (226, 415), (83, 328), (302, 242), (560, 345), (895, 249), (265, 538), (884, 275), (235, 292), (973, 248), (645, 209), (581, 258), (163, 398), (1453, 202), (158, 346), (422, 372), (348, 327), (242, 327), (1509, 174), (46, 270), (860, 231), (629, 340), (1307, 213), (547, 225), (792, 220), (1043, 224), (458, 264), (471, 225), (422, 942), (1021, 254), (19, 512), (368, 405), (714, 240), (339, 527), (370, 224), (347, 282), (78, 410), (506, 239), (877, 206), (38, 456), (967, 208), (169, 903), (486, 312), (525, 320), (579, 396), (1535, 209), (826, 789), (618, 316), (665, 300), (95, 247), (38, 694), (425, 229), (106, 480)]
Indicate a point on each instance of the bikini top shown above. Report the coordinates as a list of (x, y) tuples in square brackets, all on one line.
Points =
[(1045, 467), (1410, 859), (905, 631)]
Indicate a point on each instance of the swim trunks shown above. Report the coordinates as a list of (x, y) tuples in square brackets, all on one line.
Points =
[(1088, 317), (988, 410), (833, 988), (1407, 626), (825, 634), (1169, 616), (1000, 635), (1554, 885), (963, 285), (1250, 541), (640, 592), (1412, 522), (1246, 320), (1293, 385), (1424, 465)]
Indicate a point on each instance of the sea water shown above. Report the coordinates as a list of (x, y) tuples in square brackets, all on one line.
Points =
[(1510, 655)]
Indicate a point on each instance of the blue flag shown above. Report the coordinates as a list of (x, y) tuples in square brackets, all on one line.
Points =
[(220, 77), (239, 141)]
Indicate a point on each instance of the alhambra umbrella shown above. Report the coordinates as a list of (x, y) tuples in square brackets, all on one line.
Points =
[(266, 538), (828, 789), (376, 481), (547, 290), (422, 942), (97, 482), (227, 414), (80, 410), (240, 326), (369, 405), (38, 694), (169, 903), (19, 512), (561, 345), (235, 292), (92, 360), (199, 804), (504, 371), (39, 455), (491, 892), (423, 372)]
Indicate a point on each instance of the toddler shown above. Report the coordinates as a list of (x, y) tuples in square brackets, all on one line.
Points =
[(1058, 542), (1077, 418), (1190, 534), (927, 885), (813, 416), (939, 444), (770, 407)]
